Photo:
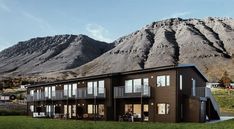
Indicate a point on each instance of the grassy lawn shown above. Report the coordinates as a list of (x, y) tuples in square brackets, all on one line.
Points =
[(225, 99), (23, 122)]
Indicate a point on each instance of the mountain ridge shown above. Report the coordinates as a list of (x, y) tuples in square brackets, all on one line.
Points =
[(207, 43)]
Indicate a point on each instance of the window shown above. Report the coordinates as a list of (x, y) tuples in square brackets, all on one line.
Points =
[(181, 86), (101, 87), (95, 88), (46, 92), (90, 87), (128, 108), (32, 108), (193, 87), (65, 109), (101, 109), (136, 85), (70, 90), (31, 92), (90, 109), (163, 108), (38, 94), (53, 91), (65, 90), (73, 110), (128, 86), (146, 86), (74, 89), (163, 81), (137, 110)]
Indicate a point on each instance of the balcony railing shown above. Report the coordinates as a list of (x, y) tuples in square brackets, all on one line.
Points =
[(80, 93), (123, 92)]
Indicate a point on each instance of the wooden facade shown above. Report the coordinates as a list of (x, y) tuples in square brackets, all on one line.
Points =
[(162, 94)]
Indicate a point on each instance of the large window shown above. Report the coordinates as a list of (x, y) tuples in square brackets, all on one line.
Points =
[(137, 85), (137, 110), (128, 108), (53, 91), (96, 87), (128, 86), (133, 109), (163, 108), (163, 81), (90, 109), (74, 89), (32, 108), (90, 87), (101, 109), (101, 87), (31, 92), (65, 90), (73, 110)]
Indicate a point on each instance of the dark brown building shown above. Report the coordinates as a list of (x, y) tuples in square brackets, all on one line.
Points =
[(162, 94)]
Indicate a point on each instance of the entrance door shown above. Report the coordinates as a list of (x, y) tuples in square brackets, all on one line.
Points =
[(146, 112), (203, 111), (80, 112)]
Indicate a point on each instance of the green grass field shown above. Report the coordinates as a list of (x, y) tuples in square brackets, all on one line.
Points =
[(23, 122), (225, 99)]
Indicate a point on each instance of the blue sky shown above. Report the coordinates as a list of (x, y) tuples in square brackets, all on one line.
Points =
[(104, 20)]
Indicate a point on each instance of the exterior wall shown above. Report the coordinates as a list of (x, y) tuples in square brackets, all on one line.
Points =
[(183, 105), (180, 106), (192, 112), (165, 95)]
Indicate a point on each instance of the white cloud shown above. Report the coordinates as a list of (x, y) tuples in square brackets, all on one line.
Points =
[(98, 32), (4, 7)]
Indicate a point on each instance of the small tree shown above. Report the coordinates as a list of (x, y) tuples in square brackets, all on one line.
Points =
[(225, 80)]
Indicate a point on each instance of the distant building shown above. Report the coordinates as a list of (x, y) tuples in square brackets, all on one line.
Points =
[(212, 84), (161, 94)]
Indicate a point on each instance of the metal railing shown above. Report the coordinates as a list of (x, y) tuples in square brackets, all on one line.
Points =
[(136, 92), (80, 93), (206, 92)]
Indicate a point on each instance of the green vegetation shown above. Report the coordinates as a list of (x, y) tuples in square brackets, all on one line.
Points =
[(225, 99), (22, 122)]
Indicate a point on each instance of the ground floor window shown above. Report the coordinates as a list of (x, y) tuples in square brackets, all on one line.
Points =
[(163, 108), (32, 108), (133, 109), (98, 109), (74, 110)]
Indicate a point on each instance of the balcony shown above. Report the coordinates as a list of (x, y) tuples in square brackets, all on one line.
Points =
[(142, 91), (80, 93)]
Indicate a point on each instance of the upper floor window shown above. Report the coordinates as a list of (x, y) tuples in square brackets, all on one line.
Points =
[(163, 80), (128, 86), (136, 85), (31, 92), (96, 87)]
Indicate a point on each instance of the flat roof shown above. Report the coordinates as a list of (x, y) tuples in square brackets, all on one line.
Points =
[(122, 73)]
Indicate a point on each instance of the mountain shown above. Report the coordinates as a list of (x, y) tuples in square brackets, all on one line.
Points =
[(47, 54), (207, 43)]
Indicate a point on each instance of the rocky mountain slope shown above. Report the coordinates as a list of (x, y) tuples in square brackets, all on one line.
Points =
[(207, 43), (47, 54)]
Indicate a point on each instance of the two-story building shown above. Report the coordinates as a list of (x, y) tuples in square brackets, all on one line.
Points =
[(162, 94)]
